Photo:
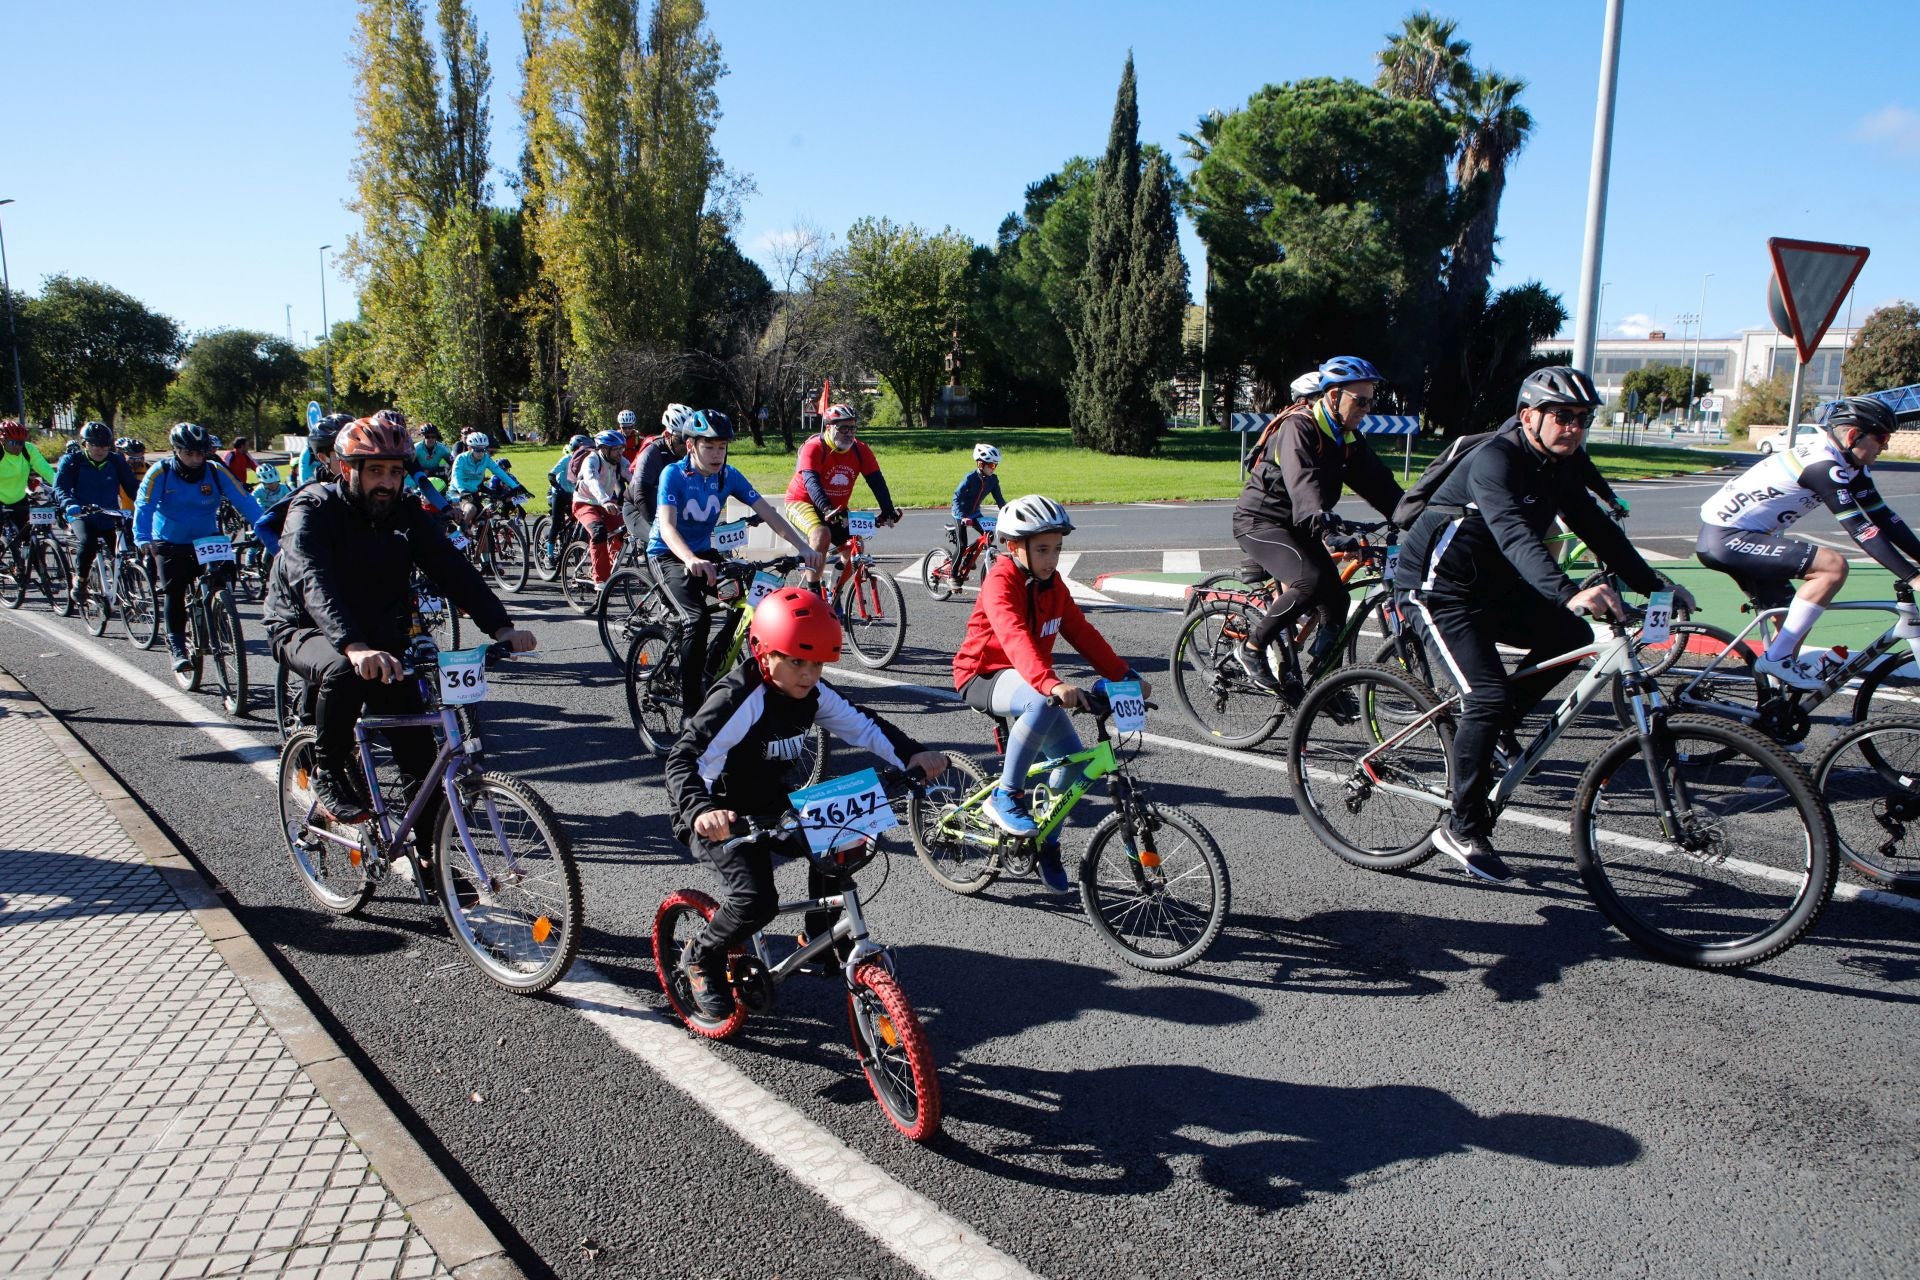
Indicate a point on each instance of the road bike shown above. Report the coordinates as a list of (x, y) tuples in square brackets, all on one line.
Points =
[(1152, 880), (872, 608), (500, 868), (943, 577), (433, 615), (213, 627), (887, 1036), (652, 664), (117, 583), (1218, 695), (1697, 838), (35, 558)]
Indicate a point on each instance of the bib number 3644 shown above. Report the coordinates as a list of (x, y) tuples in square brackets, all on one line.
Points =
[(463, 676)]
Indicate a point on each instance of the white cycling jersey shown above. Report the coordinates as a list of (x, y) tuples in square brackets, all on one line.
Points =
[(1776, 491)]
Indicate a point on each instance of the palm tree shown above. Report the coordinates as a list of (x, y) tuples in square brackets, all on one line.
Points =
[(1423, 60), (1493, 129)]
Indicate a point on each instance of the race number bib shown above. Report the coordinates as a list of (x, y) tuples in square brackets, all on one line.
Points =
[(843, 810), (730, 537), (764, 585), (459, 540), (215, 550), (1129, 706), (1657, 628), (861, 524), (986, 522), (463, 676), (430, 605), (1393, 562), (40, 517)]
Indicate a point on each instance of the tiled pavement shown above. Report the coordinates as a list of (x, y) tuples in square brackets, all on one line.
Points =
[(153, 1123)]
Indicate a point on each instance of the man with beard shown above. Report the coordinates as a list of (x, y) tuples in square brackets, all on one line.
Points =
[(340, 605)]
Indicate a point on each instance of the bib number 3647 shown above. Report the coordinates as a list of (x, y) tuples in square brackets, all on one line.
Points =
[(843, 810)]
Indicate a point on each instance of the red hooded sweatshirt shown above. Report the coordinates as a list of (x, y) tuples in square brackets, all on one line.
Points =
[(1014, 624)]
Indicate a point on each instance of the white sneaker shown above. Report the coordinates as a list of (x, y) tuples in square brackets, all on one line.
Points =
[(1795, 673)]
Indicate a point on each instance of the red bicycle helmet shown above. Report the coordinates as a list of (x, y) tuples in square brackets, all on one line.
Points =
[(798, 623), (11, 430), (368, 439)]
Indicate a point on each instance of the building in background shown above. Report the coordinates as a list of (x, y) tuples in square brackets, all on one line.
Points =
[(1753, 355)]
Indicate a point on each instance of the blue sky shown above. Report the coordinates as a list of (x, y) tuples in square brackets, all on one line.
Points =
[(197, 154)]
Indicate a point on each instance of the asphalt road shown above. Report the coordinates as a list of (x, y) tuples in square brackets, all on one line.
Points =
[(1368, 1075)]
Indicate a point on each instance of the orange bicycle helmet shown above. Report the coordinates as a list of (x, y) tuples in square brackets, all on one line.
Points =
[(378, 437), (798, 623)]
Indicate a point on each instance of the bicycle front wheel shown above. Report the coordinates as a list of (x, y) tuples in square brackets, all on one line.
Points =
[(893, 1051), (1372, 770), (546, 555), (619, 608), (874, 613), (94, 609), (955, 842), (1157, 893), (510, 891), (1869, 780), (653, 688), (139, 610), (333, 875), (511, 559), (1748, 865), (229, 653), (1219, 698)]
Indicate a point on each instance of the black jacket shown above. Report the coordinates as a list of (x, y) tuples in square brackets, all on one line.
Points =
[(1483, 531), (1301, 470), (351, 579), (730, 754)]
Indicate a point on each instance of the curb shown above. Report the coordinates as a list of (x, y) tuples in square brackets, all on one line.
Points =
[(462, 1241)]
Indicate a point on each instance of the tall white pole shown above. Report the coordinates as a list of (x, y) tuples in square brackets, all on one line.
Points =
[(1587, 318), (1699, 335)]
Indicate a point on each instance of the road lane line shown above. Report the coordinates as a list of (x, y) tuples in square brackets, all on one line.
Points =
[(1180, 562)]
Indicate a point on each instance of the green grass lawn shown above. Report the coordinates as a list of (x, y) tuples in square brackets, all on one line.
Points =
[(923, 466)]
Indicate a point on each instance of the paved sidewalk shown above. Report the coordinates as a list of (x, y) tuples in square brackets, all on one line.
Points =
[(153, 1121)]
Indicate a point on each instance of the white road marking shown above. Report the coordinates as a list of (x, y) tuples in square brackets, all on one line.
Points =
[(1180, 562)]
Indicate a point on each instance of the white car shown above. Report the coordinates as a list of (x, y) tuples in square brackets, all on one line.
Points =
[(1774, 439)]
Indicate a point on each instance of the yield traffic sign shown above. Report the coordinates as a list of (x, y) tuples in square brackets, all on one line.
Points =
[(1810, 278)]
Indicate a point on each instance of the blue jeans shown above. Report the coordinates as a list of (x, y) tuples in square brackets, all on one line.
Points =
[(1038, 730)]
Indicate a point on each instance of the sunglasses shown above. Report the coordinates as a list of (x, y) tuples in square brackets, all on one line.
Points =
[(1572, 417), (1365, 402)]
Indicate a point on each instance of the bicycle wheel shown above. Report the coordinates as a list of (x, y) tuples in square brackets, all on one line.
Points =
[(874, 613), (1869, 780), (546, 555), (1220, 699), (1354, 736), (335, 877), (956, 843), (94, 609), (619, 609), (55, 575), (653, 688), (810, 765), (682, 915), (1890, 691), (228, 650), (1753, 865), (511, 559), (1159, 904), (139, 610), (936, 573), (576, 577), (510, 890), (893, 1051)]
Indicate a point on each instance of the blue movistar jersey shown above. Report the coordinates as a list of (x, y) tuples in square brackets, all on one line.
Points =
[(697, 501)]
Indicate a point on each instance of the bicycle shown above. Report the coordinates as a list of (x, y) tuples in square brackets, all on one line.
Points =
[(887, 1036), (497, 542), (433, 615), (34, 552), (116, 582), (1215, 692), (1697, 838), (871, 606), (1869, 779), (1159, 903), (630, 598), (552, 533), (501, 868), (943, 577), (576, 571), (652, 665), (213, 626)]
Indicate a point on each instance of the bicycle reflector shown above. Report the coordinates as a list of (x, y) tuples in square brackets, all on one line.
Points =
[(848, 857)]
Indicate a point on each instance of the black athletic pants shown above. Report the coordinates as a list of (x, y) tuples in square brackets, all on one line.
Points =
[(750, 901), (1299, 561), (699, 659)]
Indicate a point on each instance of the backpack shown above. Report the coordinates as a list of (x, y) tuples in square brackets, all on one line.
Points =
[(1415, 499), (573, 466)]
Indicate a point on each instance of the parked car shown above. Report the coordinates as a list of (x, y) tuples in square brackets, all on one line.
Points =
[(1773, 439)]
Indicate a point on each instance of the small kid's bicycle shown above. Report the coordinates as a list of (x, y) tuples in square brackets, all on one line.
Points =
[(501, 868), (1152, 880), (887, 1036), (944, 577)]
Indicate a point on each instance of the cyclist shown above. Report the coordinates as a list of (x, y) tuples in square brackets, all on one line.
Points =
[(728, 765), (471, 467), (823, 478), (239, 460), (272, 490), (560, 482), (316, 460), (340, 607), (693, 493), (1005, 663), (20, 461), (431, 457), (628, 423), (136, 451), (973, 490), (604, 475), (643, 495), (1743, 531), (1477, 573), (95, 477), (180, 501), (1302, 462)]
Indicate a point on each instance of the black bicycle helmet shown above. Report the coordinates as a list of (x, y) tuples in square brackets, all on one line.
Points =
[(190, 435), (1558, 385), (1866, 413), (709, 424), (97, 433)]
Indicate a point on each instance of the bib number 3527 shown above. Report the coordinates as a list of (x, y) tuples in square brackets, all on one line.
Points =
[(216, 550)]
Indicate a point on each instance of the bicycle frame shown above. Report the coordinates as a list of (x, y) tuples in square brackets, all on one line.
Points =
[(1836, 680), (850, 925)]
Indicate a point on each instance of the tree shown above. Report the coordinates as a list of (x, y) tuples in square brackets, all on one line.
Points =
[(1493, 128), (909, 286), (1422, 62), (1496, 353), (1132, 293), (1761, 404), (1886, 352), (96, 348), (231, 370), (1663, 387)]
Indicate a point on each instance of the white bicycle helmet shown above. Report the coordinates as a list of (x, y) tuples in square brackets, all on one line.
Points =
[(1034, 513), (1306, 384), (627, 419), (477, 440), (985, 453), (675, 419)]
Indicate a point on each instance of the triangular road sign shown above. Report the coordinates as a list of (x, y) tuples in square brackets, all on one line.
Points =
[(1813, 277)]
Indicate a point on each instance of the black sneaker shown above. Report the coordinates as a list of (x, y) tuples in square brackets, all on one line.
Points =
[(177, 646), (1254, 662), (707, 983), (1053, 871), (1474, 853), (341, 796)]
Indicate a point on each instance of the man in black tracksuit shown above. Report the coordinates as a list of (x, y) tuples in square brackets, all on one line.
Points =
[(1477, 574)]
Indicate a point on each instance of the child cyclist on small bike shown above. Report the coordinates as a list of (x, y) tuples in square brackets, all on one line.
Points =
[(972, 492), (728, 765), (1005, 663)]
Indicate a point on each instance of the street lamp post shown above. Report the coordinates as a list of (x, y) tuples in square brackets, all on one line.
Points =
[(1589, 304), (1683, 320), (13, 334), (1699, 335), (326, 330)]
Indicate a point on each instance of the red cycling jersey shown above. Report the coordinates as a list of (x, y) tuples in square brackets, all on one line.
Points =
[(837, 471), (1014, 624)]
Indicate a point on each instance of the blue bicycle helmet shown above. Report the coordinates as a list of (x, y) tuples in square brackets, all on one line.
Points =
[(579, 442), (610, 440), (709, 424), (1344, 369)]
